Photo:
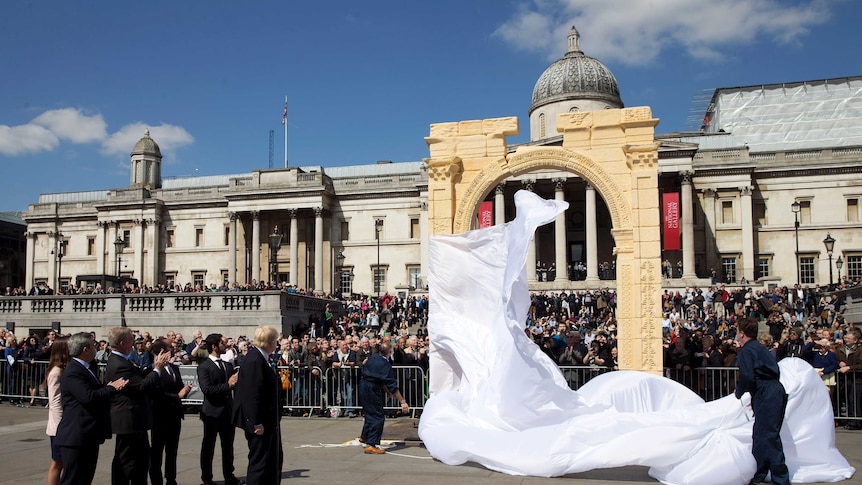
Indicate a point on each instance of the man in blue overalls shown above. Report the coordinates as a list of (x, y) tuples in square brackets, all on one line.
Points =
[(378, 379), (758, 375)]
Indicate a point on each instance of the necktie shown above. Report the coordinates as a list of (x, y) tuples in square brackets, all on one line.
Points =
[(221, 366)]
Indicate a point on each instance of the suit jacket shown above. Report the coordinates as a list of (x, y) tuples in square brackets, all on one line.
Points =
[(218, 396), (131, 408), (86, 408), (167, 403), (256, 394)]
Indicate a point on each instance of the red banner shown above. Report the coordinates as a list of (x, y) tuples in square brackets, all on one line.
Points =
[(670, 220), (486, 215)]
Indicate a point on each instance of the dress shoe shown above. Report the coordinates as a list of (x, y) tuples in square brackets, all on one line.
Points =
[(233, 481), (360, 439), (373, 450), (208, 482)]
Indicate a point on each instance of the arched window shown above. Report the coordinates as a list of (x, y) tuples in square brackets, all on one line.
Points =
[(541, 125)]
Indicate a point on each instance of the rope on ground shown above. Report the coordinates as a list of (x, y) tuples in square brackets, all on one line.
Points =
[(385, 444)]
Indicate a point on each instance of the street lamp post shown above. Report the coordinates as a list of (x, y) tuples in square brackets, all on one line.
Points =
[(796, 207), (336, 275), (829, 242), (378, 226), (119, 244), (274, 245), (61, 251), (839, 263)]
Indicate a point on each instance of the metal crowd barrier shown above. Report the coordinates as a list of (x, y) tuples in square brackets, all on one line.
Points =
[(335, 392)]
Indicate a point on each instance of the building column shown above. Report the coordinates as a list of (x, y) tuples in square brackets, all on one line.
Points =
[(293, 237), (318, 249), (687, 228), (231, 270), (499, 205), (51, 277), (112, 250), (711, 250), (154, 226), (138, 241), (747, 213), (255, 245), (531, 247), (592, 237), (31, 256), (100, 247), (562, 267)]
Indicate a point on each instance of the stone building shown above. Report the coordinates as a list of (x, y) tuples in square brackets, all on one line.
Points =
[(773, 168)]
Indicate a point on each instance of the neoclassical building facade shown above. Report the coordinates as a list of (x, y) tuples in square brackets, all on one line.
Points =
[(773, 171)]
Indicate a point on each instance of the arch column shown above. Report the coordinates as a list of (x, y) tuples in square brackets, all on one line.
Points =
[(562, 267), (592, 237), (499, 204), (294, 247), (531, 248), (687, 227), (255, 245), (318, 249)]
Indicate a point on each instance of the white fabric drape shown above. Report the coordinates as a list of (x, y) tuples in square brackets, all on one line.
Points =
[(497, 400)]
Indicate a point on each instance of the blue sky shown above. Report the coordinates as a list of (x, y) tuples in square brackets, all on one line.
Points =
[(81, 81)]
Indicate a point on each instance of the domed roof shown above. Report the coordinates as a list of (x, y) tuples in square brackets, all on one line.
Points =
[(147, 146), (576, 76)]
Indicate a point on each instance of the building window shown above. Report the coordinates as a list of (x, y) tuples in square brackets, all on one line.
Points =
[(728, 267), (852, 210), (541, 125), (761, 270), (169, 238), (853, 267), (198, 279), (379, 279), (127, 238), (414, 277), (806, 270), (805, 211), (199, 237), (91, 246), (346, 281), (727, 212), (170, 280), (227, 236), (414, 228), (345, 230), (760, 213), (224, 278), (64, 284)]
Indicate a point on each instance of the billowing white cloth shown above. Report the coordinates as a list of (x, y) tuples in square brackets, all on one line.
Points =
[(497, 400)]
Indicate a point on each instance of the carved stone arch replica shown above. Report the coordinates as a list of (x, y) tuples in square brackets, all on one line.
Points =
[(613, 150)]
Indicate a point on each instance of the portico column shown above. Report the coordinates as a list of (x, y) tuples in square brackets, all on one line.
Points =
[(31, 256), (318, 249), (562, 273), (499, 205), (747, 233), (709, 234), (687, 228), (231, 270), (138, 238), (531, 247), (255, 245), (592, 237), (154, 227), (294, 248), (100, 248), (51, 250), (112, 250)]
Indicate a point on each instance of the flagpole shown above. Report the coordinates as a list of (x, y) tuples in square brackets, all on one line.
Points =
[(285, 131)]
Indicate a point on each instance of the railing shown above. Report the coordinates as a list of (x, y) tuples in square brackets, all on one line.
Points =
[(335, 392)]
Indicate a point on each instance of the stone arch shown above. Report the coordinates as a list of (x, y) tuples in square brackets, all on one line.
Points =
[(616, 152)]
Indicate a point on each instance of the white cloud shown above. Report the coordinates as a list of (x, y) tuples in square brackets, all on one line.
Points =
[(29, 138), (73, 125), (168, 137), (635, 31)]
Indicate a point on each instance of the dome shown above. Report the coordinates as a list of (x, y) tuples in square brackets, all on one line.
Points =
[(576, 76), (147, 146)]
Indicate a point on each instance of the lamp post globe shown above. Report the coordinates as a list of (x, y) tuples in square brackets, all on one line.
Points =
[(829, 242)]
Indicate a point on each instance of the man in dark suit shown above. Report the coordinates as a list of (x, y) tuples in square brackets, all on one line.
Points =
[(131, 409), (217, 379), (257, 412), (86, 406), (168, 413)]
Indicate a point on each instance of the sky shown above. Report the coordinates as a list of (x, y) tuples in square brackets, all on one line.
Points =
[(81, 81)]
